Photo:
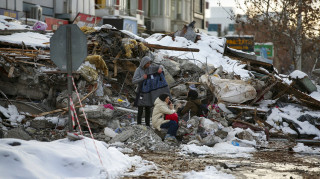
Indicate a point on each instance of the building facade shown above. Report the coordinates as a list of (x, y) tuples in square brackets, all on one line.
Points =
[(39, 9), (221, 22), (164, 16), (151, 16)]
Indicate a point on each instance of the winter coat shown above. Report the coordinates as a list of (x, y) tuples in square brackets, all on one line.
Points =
[(140, 71), (152, 87), (193, 106), (159, 111)]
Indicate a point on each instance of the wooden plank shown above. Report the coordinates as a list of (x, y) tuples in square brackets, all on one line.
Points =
[(155, 46), (304, 98), (263, 92), (11, 70), (18, 49), (115, 67), (248, 65), (283, 91), (32, 63), (249, 108)]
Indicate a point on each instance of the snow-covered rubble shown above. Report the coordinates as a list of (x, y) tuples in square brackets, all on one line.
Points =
[(11, 23), (112, 116)]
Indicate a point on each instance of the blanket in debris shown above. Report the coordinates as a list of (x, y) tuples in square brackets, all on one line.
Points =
[(151, 88)]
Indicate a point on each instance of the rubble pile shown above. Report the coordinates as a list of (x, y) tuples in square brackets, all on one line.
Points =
[(34, 94), (140, 138)]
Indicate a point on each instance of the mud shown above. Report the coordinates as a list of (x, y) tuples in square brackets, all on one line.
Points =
[(263, 164)]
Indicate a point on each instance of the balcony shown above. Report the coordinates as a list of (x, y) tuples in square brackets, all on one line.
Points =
[(120, 11)]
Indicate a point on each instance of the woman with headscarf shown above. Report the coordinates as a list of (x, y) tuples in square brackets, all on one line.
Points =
[(145, 68)]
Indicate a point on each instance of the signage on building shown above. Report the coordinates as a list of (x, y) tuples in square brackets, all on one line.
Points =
[(130, 25), (123, 24), (86, 20), (9, 13), (244, 43), (54, 24), (264, 49)]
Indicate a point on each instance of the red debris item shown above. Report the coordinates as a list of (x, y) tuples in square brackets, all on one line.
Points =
[(108, 106)]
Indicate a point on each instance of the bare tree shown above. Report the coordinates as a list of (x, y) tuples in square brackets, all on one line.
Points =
[(289, 24)]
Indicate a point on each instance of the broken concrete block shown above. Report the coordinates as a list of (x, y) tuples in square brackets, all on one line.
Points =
[(42, 124), (222, 134), (169, 79), (18, 133), (62, 99), (14, 89), (180, 90), (209, 125), (245, 135), (97, 111), (113, 124), (172, 66), (187, 65), (123, 136), (211, 140)]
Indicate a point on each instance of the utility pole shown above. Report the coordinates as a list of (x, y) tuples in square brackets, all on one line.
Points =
[(298, 46)]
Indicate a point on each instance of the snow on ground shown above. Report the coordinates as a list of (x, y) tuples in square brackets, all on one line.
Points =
[(223, 149), (29, 38), (210, 172), (54, 120), (316, 94), (132, 35), (301, 148), (291, 114), (10, 23), (12, 114), (63, 159), (211, 51)]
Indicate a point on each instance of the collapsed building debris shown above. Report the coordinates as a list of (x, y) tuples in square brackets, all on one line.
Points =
[(105, 87)]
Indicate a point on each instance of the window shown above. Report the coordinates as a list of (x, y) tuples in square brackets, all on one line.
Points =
[(167, 8), (146, 8), (214, 27), (198, 6), (161, 7), (231, 27), (155, 7), (132, 7), (158, 7)]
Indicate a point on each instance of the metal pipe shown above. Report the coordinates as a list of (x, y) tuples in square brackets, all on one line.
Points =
[(69, 77)]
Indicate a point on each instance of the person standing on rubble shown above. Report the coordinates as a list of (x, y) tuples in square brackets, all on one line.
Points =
[(145, 68), (164, 116)]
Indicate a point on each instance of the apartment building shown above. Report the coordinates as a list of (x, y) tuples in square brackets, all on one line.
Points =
[(53, 12), (153, 16), (39, 9), (220, 22), (148, 16)]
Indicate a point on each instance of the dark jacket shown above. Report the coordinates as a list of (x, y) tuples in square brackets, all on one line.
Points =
[(193, 106), (140, 71), (147, 98)]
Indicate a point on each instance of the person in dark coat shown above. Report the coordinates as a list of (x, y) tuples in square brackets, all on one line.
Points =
[(192, 104), (145, 68)]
